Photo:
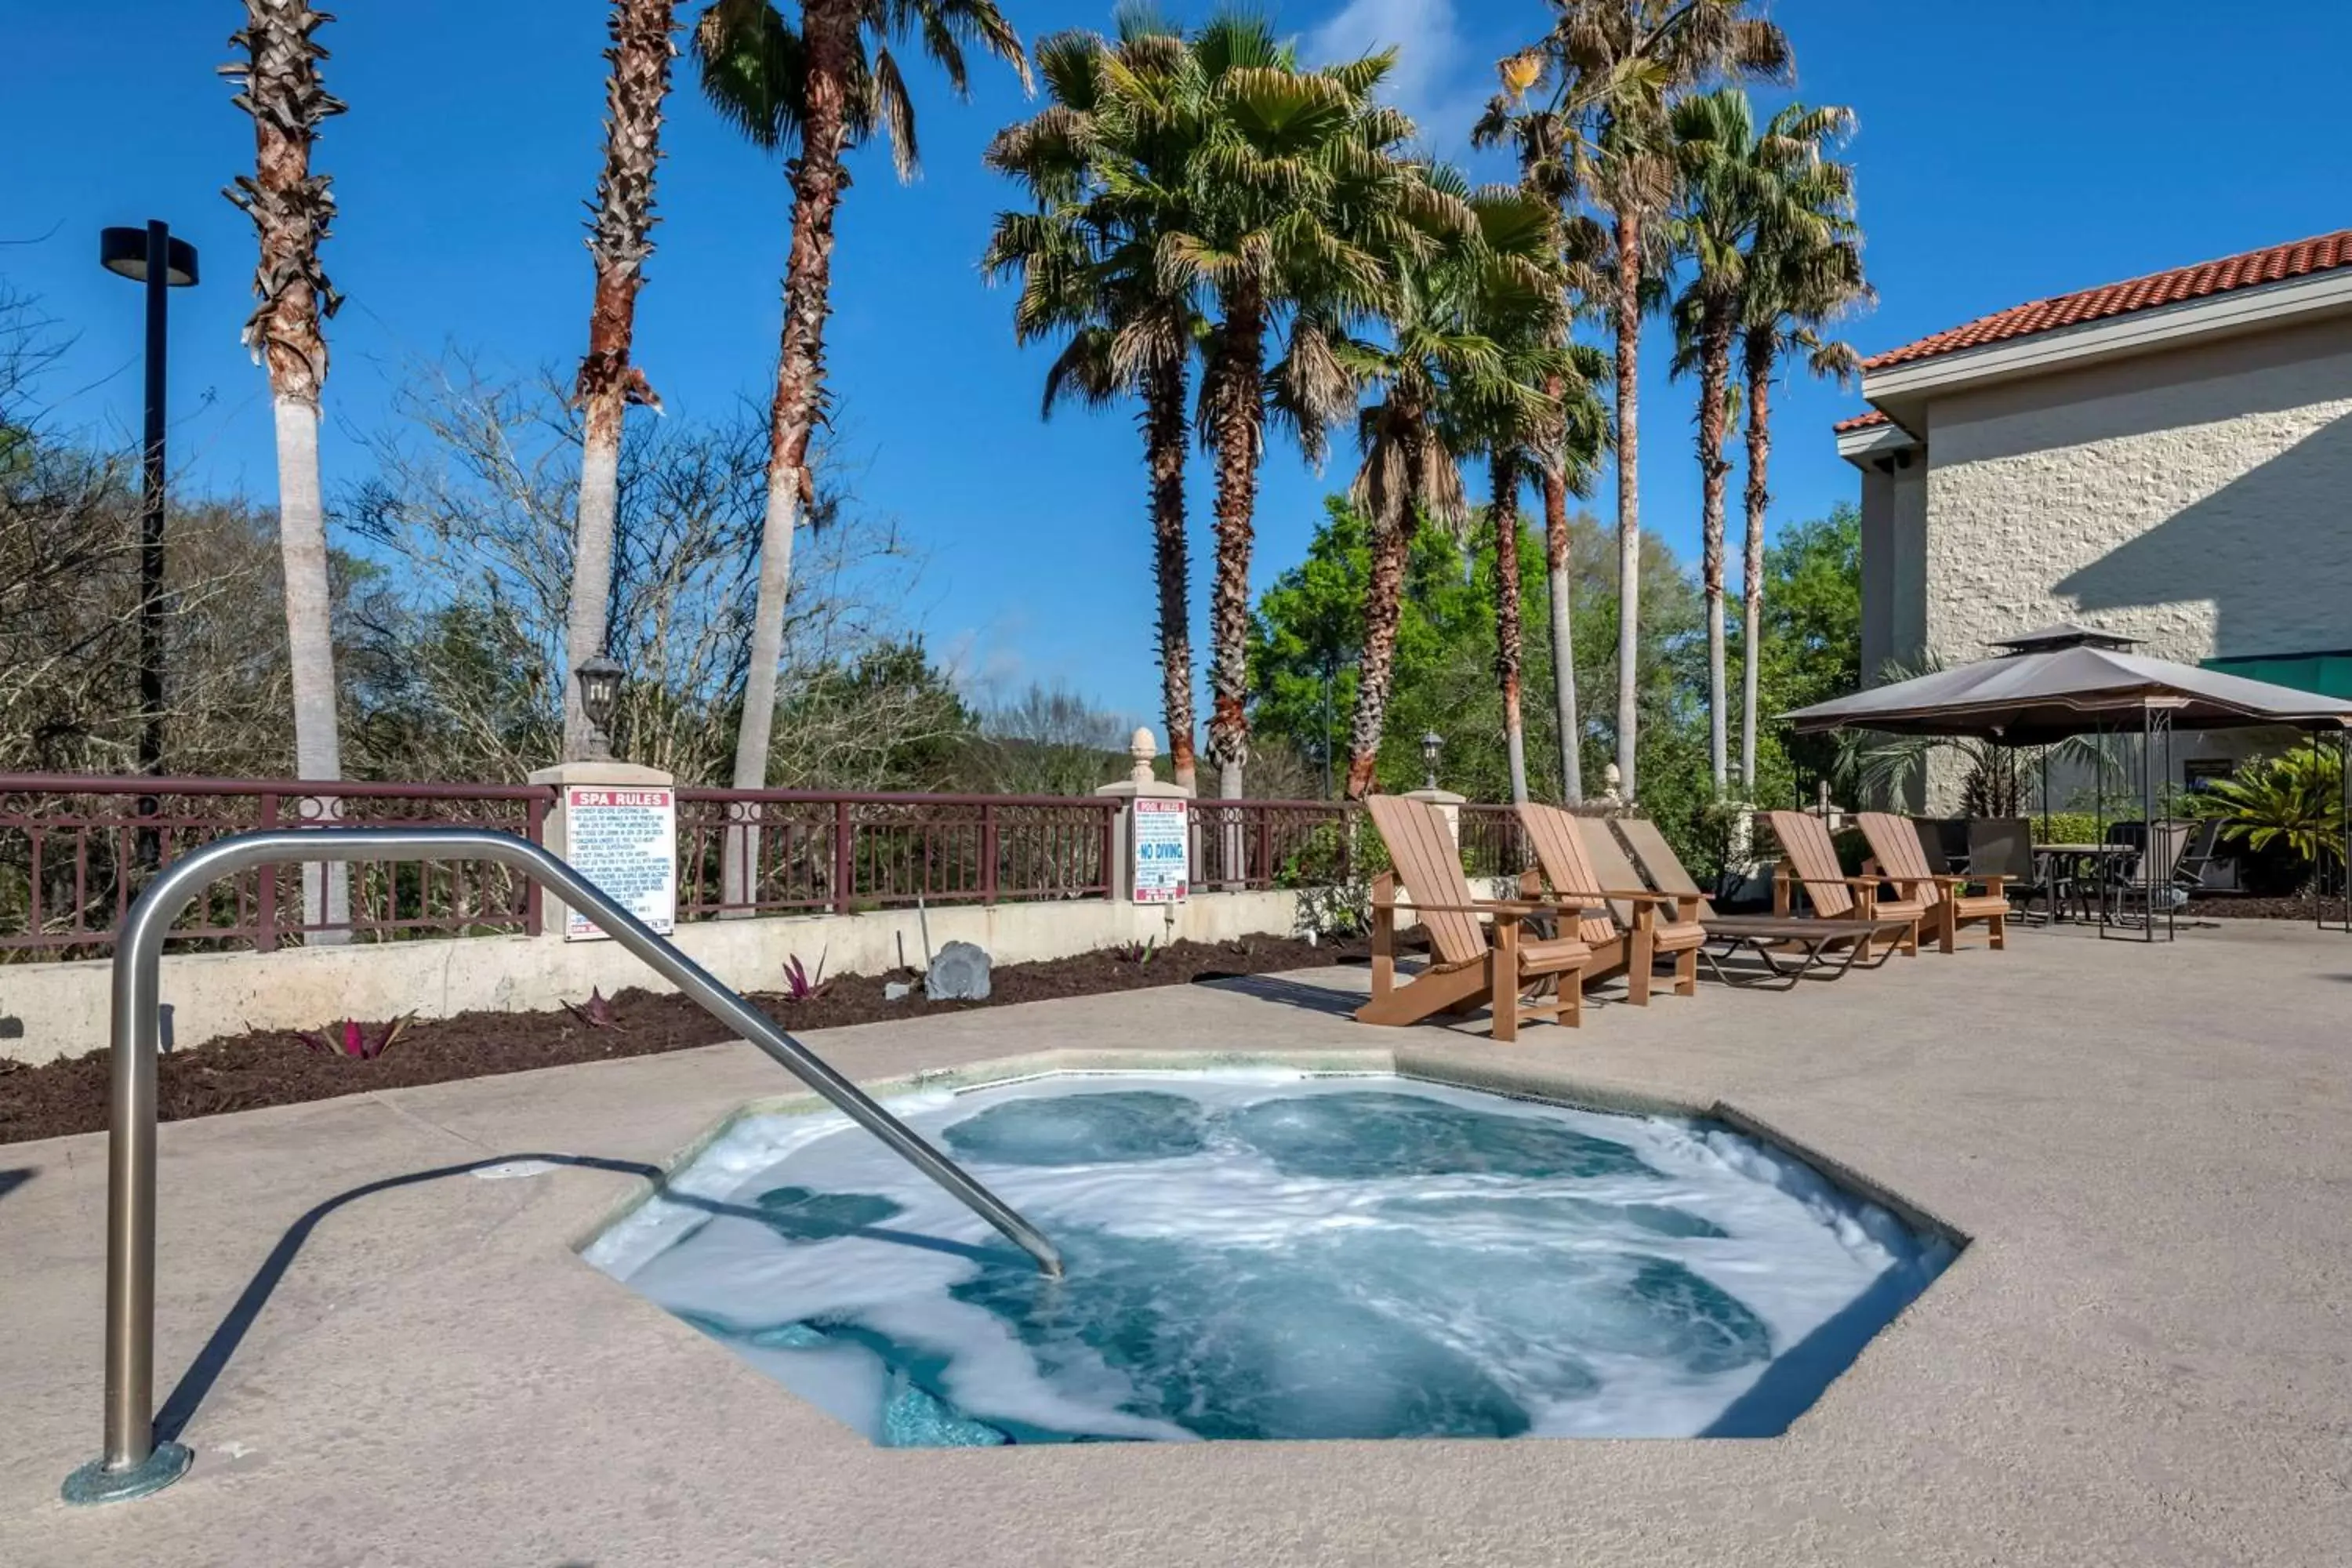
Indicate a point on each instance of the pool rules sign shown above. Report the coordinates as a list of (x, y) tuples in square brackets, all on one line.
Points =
[(625, 841), (1163, 850)]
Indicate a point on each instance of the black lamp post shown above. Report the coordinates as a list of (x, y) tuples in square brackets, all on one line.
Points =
[(153, 258), (1431, 742), (599, 692)]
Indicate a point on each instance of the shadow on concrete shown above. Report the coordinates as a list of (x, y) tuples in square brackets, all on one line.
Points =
[(12, 1179), (1290, 994), (188, 1396)]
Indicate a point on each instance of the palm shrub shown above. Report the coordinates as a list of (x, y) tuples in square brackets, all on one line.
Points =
[(2290, 805)]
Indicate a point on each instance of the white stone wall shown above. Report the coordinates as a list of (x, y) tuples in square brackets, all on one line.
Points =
[(2199, 498)]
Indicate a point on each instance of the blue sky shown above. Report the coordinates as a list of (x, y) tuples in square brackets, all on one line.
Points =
[(2006, 151)]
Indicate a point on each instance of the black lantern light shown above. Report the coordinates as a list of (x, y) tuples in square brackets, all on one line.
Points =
[(599, 692), (1431, 742)]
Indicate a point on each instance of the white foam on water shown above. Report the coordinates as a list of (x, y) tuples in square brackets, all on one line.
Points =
[(1494, 1292)]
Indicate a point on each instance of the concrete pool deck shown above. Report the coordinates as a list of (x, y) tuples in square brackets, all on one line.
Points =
[(2145, 1357)]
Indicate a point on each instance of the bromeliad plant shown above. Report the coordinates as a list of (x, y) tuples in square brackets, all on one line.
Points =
[(353, 1039), (597, 1012), (799, 985)]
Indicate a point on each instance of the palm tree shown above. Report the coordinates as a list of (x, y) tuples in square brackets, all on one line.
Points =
[(1548, 172), (1792, 292), (1108, 163), (1442, 380), (1532, 410), (1300, 201), (1607, 73), (820, 89), (1744, 193), (290, 207), (619, 239)]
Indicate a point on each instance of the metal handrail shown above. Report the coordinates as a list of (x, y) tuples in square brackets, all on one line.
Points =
[(132, 1464)]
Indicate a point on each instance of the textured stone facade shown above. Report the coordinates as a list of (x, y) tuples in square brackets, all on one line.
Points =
[(2201, 499)]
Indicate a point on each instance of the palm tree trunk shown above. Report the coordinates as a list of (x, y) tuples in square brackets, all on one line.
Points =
[(1384, 607), (311, 649), (1504, 509), (640, 58), (1751, 560), (1713, 384), (1628, 241), (1164, 440), (1239, 420), (290, 207), (829, 36), (1556, 551)]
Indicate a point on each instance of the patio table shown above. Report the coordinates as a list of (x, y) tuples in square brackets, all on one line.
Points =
[(2084, 857)]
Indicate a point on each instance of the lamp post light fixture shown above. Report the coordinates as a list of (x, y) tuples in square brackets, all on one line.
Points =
[(150, 256), (600, 693), (1431, 742)]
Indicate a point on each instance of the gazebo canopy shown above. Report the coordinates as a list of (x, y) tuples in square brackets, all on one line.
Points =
[(2070, 680)]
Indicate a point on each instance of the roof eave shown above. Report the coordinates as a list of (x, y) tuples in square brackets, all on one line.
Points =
[(1901, 390)]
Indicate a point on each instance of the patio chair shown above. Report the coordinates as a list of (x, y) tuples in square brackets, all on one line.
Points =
[(1810, 861), (1894, 843), (1631, 925), (2153, 879), (1468, 964), (2003, 847), (1768, 937)]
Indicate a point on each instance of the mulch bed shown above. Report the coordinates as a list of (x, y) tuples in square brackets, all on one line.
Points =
[(276, 1067), (2250, 909)]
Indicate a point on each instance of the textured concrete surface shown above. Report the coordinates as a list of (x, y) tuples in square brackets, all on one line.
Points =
[(2144, 1358)]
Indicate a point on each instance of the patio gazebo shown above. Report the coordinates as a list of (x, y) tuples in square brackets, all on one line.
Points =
[(2067, 680)]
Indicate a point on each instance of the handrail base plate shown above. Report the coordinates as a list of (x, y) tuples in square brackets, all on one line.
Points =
[(94, 1483)]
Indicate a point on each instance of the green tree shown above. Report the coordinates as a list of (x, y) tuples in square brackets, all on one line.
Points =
[(1809, 649), (1109, 167), (816, 92), (1746, 194), (1600, 86)]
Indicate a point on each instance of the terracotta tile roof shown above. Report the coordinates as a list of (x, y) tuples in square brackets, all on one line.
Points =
[(1861, 422), (2301, 259)]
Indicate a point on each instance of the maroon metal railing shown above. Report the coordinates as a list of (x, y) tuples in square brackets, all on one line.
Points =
[(744, 852), (1251, 845), (75, 851)]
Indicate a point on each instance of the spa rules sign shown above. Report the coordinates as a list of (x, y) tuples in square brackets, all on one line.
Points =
[(625, 841), (1162, 850)]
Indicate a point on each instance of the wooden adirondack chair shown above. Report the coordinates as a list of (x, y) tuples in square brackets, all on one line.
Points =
[(1811, 940), (1810, 860), (1632, 925), (1468, 964), (1894, 843)]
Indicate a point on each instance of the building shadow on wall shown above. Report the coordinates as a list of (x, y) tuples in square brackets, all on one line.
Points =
[(2271, 551)]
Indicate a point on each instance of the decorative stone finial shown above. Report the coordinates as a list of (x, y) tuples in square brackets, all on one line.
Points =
[(1142, 750)]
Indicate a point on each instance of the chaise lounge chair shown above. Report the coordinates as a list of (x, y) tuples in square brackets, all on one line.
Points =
[(1632, 925), (1768, 937), (1809, 859), (1894, 843), (1467, 964)]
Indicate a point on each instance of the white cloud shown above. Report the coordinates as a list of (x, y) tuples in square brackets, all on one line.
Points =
[(1435, 79)]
